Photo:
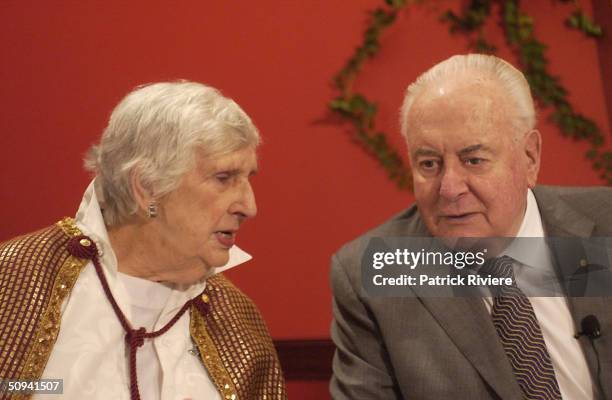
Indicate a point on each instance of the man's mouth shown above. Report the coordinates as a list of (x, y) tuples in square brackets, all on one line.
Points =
[(458, 217), (226, 238)]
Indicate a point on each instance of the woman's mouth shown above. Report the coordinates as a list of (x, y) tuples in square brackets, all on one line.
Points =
[(226, 238)]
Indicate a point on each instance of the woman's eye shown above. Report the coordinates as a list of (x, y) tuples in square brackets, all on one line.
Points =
[(223, 178)]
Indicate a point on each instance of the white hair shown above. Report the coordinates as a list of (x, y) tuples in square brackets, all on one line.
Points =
[(510, 80), (155, 131)]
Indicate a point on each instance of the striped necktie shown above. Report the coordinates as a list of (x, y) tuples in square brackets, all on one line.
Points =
[(521, 336)]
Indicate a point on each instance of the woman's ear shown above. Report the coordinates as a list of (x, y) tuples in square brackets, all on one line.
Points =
[(142, 195), (533, 151)]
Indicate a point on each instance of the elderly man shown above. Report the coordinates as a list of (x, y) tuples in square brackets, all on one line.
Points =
[(469, 124)]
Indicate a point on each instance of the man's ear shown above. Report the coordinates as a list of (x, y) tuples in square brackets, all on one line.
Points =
[(142, 196), (533, 151)]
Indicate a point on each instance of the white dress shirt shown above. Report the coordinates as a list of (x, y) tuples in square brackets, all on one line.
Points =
[(553, 313), (90, 352)]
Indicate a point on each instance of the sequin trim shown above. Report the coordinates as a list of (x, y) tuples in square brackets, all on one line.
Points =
[(210, 356), (241, 342), (48, 329), (69, 227)]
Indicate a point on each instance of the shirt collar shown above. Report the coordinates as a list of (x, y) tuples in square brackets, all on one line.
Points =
[(90, 221), (532, 221), (530, 252)]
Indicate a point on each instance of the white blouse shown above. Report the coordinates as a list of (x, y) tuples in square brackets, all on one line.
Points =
[(90, 353)]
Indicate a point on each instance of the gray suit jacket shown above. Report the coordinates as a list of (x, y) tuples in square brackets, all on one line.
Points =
[(447, 348)]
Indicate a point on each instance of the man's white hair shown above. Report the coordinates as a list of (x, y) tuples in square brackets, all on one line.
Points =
[(510, 80), (155, 132)]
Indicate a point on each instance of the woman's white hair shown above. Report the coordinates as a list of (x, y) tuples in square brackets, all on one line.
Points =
[(155, 132), (510, 80)]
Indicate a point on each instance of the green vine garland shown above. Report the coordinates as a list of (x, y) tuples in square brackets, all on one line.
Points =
[(518, 28)]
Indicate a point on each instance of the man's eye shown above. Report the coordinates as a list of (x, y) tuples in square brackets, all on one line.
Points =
[(428, 164), (474, 161)]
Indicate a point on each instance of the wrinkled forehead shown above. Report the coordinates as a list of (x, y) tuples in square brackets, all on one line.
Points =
[(243, 157)]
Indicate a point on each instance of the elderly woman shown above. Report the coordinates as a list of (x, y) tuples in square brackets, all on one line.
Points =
[(126, 301)]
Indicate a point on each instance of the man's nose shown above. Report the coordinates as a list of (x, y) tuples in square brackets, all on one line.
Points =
[(453, 183)]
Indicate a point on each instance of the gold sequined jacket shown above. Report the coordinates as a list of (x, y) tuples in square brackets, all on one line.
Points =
[(37, 273)]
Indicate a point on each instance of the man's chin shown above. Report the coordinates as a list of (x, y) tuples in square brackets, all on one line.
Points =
[(462, 232)]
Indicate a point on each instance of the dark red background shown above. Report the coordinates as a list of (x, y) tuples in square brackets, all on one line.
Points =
[(66, 64)]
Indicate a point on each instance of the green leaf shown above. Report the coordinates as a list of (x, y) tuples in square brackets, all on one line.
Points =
[(339, 104), (597, 141), (591, 154), (582, 22)]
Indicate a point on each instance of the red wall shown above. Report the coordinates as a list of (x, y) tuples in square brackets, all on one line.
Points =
[(65, 65)]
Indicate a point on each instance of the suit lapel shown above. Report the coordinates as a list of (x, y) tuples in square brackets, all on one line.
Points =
[(558, 217), (469, 325), (467, 322)]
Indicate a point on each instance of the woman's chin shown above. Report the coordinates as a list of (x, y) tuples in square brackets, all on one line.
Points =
[(218, 259)]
